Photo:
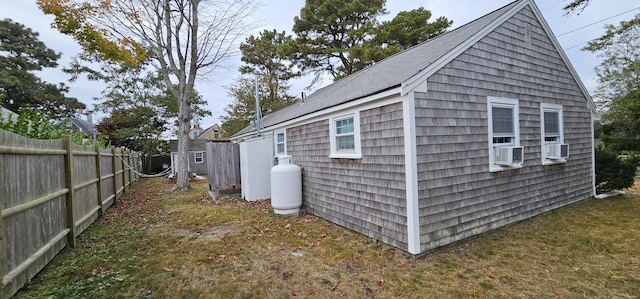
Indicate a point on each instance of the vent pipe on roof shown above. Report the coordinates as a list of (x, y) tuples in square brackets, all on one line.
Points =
[(258, 110), (302, 97)]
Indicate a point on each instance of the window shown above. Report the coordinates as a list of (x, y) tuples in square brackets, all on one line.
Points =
[(553, 150), (198, 157), (504, 134), (345, 136), (280, 143), (216, 134)]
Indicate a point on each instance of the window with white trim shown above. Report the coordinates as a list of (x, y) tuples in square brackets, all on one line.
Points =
[(198, 157), (552, 134), (504, 134), (345, 136), (280, 143)]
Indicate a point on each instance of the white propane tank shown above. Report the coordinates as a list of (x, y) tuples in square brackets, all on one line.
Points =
[(286, 187)]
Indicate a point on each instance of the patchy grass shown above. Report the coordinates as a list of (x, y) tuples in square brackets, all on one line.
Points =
[(161, 244)]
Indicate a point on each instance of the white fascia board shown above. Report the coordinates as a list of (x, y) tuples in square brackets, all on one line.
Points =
[(376, 100), (372, 101), (590, 104), (411, 173)]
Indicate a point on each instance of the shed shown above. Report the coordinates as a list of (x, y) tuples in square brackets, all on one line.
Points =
[(197, 155), (462, 134)]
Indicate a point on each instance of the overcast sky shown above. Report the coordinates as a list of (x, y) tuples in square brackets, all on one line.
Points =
[(279, 14)]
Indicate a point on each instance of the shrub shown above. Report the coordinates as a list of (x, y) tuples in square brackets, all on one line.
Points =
[(35, 124), (613, 172)]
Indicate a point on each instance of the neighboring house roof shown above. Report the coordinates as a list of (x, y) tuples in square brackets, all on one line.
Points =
[(208, 133), (6, 113), (403, 68), (78, 124), (195, 145)]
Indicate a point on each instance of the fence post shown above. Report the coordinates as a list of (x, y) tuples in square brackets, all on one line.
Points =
[(131, 166), (115, 174), (124, 177), (68, 180), (3, 239), (99, 174)]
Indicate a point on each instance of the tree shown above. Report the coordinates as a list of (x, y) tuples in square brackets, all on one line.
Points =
[(241, 111), (343, 37), (186, 38), (137, 128), (331, 35), (22, 55), (576, 5), (409, 28), (618, 92), (264, 56)]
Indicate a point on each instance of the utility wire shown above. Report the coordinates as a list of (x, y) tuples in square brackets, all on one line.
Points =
[(611, 17)]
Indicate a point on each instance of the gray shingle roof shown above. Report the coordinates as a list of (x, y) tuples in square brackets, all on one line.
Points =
[(82, 125), (385, 74)]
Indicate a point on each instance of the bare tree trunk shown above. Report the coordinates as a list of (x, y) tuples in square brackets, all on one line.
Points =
[(184, 126), (182, 174)]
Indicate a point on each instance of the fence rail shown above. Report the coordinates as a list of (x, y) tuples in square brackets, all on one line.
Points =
[(50, 192)]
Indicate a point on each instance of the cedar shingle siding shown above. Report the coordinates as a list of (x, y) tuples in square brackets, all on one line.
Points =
[(367, 195), (459, 197)]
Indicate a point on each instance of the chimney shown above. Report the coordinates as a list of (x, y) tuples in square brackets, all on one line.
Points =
[(89, 118)]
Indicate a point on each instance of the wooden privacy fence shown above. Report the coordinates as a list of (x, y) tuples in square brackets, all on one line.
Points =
[(223, 166), (50, 192)]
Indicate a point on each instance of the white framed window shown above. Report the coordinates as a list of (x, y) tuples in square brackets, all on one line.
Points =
[(552, 137), (198, 157), (504, 134), (345, 136), (280, 141)]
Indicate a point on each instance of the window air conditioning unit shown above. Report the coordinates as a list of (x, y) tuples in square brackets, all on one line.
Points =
[(508, 155), (556, 151)]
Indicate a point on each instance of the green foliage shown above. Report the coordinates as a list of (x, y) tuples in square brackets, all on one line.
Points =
[(343, 37), (34, 124), (576, 5), (241, 111), (410, 28), (331, 35), (613, 172), (22, 54), (618, 92)]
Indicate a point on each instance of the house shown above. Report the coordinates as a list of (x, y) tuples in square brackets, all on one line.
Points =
[(6, 114), (481, 127), (87, 127), (197, 155), (211, 133)]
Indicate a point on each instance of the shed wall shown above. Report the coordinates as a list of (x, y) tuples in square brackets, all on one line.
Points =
[(458, 195), (366, 195)]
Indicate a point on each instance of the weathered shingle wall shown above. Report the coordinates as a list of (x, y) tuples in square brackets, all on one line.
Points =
[(459, 197), (366, 195)]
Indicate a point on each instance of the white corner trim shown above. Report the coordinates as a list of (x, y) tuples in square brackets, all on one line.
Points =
[(411, 173), (593, 154)]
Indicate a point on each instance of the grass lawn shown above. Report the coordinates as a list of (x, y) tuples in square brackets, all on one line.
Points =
[(161, 244)]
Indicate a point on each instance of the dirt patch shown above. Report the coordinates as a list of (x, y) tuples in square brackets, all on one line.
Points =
[(215, 233)]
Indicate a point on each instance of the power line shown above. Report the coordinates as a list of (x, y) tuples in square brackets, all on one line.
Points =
[(611, 17)]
